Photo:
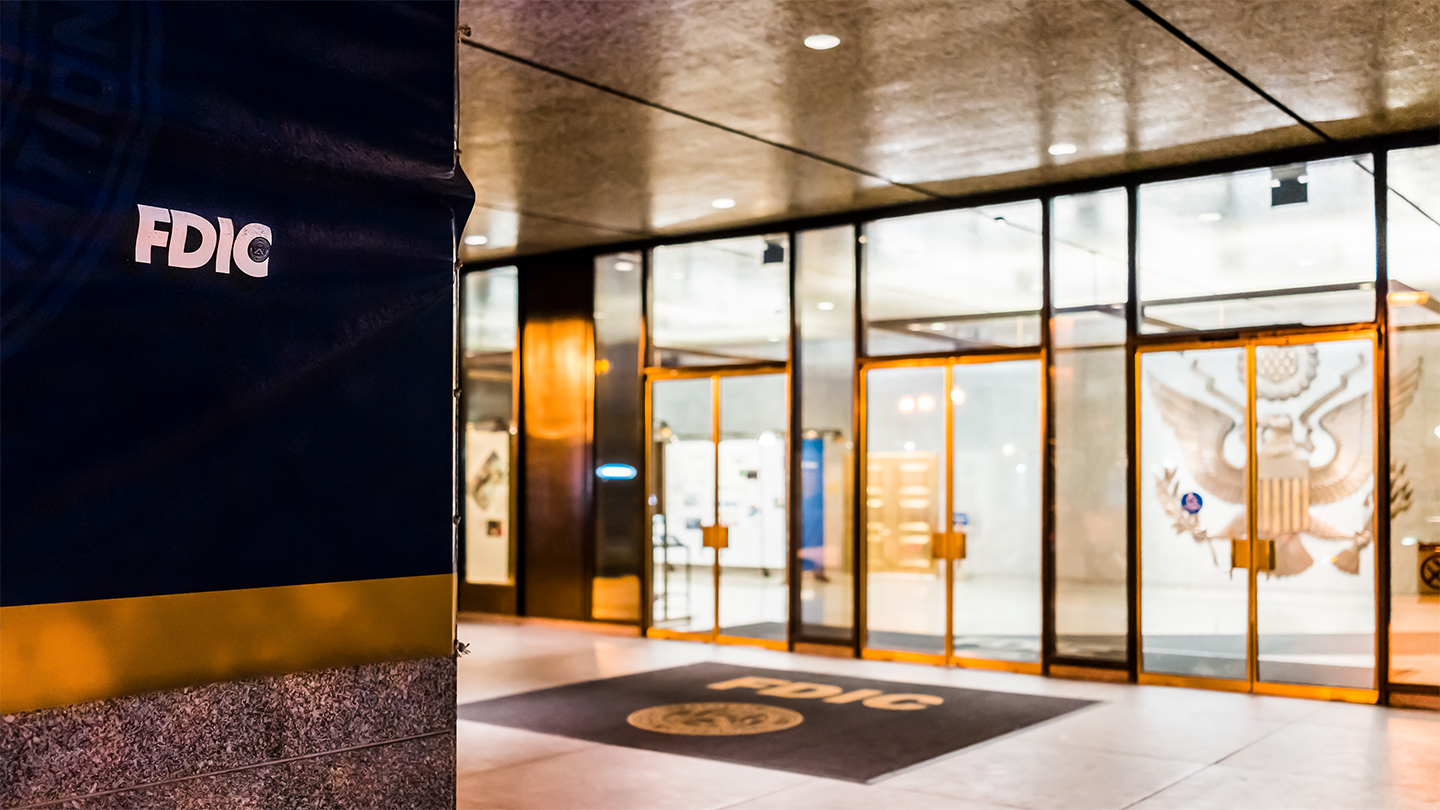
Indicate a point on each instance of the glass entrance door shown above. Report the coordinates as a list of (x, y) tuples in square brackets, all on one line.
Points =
[(1257, 473), (952, 512), (718, 493)]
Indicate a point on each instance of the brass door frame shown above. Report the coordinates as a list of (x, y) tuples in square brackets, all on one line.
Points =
[(947, 363), (1252, 683), (714, 374)]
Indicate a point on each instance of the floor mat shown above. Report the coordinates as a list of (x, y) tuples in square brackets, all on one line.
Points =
[(856, 729)]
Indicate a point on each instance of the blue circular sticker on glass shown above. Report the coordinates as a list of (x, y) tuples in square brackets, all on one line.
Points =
[(1191, 502)]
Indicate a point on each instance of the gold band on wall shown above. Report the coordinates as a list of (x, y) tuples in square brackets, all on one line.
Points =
[(71, 652)]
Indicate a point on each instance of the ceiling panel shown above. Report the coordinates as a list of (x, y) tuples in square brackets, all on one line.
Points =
[(1353, 68), (956, 96)]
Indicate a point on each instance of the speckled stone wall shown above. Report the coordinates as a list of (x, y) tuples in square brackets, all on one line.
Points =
[(377, 735)]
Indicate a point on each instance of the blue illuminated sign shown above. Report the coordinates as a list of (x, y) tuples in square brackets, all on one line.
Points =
[(615, 472)]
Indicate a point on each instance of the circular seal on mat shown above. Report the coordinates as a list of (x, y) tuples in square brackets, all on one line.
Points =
[(715, 719)]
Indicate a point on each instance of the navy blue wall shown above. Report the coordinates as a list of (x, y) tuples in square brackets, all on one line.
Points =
[(168, 430)]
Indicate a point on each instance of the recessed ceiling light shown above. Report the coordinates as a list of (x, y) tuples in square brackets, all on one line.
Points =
[(821, 42), (773, 339), (825, 305), (937, 327), (1062, 149), (722, 202), (476, 239), (1210, 217), (624, 266)]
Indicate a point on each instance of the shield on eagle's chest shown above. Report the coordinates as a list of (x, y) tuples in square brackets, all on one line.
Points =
[(1283, 498)]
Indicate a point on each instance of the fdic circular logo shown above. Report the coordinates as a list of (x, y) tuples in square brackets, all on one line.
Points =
[(715, 719)]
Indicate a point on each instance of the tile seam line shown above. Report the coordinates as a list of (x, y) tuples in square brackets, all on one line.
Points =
[(266, 764), (1190, 43), (594, 85)]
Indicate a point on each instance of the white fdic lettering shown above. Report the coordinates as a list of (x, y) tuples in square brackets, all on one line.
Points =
[(248, 248)]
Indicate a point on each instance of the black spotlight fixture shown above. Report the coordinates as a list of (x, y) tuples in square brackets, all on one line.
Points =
[(1289, 185), (774, 253)]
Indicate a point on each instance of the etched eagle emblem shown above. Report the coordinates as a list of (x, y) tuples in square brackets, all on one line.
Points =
[(1288, 484)]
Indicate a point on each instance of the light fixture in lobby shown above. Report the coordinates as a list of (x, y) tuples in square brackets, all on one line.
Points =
[(907, 404), (957, 395), (925, 402), (722, 203), (825, 305), (1059, 149), (624, 266), (821, 42), (475, 240)]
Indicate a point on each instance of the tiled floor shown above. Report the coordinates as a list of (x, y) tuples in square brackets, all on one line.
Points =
[(1149, 748)]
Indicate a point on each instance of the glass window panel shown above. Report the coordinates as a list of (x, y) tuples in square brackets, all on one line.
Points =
[(1315, 481), (1414, 245), (996, 484), (754, 599), (1284, 245), (1413, 240), (825, 312), (953, 280), (1089, 273), (619, 440), (1194, 611), (721, 302), (904, 504), (682, 500), (491, 311)]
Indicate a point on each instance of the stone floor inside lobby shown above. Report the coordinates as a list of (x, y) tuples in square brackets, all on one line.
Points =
[(1143, 747)]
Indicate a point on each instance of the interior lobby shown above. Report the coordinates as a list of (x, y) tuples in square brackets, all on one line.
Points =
[(955, 404), (976, 408)]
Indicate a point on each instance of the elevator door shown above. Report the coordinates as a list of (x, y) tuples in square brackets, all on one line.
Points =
[(952, 512), (1257, 474), (719, 489)]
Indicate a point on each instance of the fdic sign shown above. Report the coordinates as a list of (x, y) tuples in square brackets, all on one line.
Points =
[(249, 247)]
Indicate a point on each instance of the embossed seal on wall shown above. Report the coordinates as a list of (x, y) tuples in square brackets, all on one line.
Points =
[(715, 719)]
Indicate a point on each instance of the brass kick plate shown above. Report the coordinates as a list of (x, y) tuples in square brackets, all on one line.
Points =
[(716, 537)]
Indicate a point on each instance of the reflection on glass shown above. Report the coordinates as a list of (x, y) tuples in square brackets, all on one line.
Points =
[(904, 507), (825, 311), (753, 592), (1089, 286), (619, 439), (682, 496), (1315, 434), (1194, 612), (491, 317), (953, 280), (997, 505), (1285, 245), (721, 302), (1414, 244)]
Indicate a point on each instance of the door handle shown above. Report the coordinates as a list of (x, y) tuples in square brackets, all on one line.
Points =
[(1240, 554), (716, 536), (947, 546)]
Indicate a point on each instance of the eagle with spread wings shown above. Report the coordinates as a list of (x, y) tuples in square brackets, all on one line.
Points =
[(1289, 485)]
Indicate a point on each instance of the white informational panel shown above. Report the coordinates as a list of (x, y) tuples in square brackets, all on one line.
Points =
[(689, 492), (487, 506), (752, 502)]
